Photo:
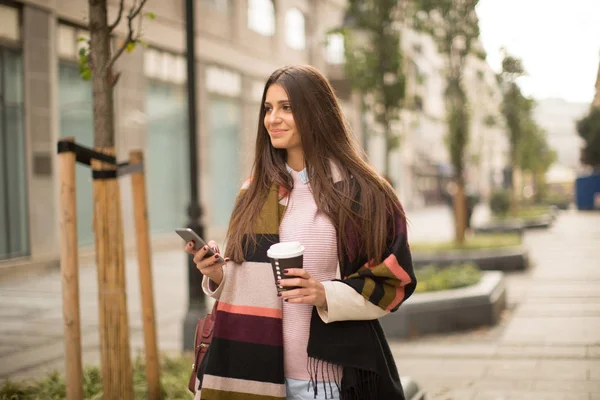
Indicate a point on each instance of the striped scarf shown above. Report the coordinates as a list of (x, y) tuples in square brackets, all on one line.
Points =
[(245, 361)]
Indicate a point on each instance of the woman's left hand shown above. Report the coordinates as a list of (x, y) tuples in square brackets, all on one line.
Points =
[(311, 291)]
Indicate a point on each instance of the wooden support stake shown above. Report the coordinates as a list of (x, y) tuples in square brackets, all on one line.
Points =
[(140, 206), (114, 328), (70, 274)]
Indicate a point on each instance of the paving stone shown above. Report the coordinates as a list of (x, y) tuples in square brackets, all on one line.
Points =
[(564, 385), (594, 371), (550, 330), (542, 351), (512, 369), (551, 309), (529, 395), (563, 369), (454, 349)]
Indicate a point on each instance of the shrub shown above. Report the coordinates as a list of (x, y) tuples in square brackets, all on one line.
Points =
[(432, 278), (500, 202), (175, 372), (475, 242)]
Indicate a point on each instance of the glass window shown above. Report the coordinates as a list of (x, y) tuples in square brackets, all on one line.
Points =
[(225, 125), (77, 120), (14, 232), (295, 34), (167, 155), (261, 16), (334, 52), (222, 6)]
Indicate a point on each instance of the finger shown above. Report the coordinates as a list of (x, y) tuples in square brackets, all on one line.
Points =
[(294, 282), (300, 272), (295, 293), (210, 269), (301, 300), (189, 248), (200, 254), (210, 261), (213, 245)]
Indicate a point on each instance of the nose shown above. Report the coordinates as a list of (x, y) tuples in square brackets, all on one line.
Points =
[(273, 117)]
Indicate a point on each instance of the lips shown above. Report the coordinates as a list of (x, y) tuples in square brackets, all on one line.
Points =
[(277, 132)]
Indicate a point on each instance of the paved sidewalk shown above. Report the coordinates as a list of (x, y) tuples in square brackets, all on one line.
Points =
[(547, 346)]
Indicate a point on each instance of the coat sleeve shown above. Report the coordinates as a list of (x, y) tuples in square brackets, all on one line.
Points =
[(210, 288), (345, 304), (392, 281)]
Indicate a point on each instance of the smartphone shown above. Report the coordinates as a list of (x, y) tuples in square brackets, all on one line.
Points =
[(190, 236)]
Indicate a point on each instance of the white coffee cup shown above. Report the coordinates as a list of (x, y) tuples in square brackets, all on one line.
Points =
[(283, 256)]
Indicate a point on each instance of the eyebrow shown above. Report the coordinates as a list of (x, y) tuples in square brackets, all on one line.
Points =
[(279, 102)]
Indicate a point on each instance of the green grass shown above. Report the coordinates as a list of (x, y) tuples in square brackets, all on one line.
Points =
[(175, 373), (433, 279), (481, 241), (526, 213)]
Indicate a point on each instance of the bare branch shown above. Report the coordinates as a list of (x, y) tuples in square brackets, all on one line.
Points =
[(133, 13), (112, 26)]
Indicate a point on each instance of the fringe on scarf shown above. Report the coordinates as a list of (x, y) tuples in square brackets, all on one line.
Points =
[(327, 376), (323, 374)]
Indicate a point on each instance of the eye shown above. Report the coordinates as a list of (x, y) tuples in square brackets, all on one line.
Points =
[(268, 109), (287, 107)]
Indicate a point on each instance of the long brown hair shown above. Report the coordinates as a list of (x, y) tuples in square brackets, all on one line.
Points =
[(325, 139)]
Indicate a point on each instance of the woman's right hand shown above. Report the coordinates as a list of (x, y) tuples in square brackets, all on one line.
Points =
[(210, 266)]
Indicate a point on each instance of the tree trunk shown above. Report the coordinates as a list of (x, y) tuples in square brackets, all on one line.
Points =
[(114, 328), (460, 212), (102, 90), (514, 198)]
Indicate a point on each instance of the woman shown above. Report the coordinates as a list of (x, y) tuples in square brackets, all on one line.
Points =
[(309, 184)]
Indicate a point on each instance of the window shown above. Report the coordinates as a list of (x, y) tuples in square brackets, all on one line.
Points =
[(164, 66), (261, 16), (334, 52), (221, 6), (295, 34), (14, 239), (167, 155)]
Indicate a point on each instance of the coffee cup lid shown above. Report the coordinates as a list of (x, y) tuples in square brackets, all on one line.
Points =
[(285, 250)]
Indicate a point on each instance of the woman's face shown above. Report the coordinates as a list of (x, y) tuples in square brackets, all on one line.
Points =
[(279, 120)]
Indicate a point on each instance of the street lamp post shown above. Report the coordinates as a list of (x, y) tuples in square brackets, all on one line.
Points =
[(196, 303)]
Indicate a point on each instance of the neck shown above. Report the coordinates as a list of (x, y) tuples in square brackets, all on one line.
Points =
[(295, 159)]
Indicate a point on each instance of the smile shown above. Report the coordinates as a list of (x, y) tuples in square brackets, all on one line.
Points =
[(277, 132)]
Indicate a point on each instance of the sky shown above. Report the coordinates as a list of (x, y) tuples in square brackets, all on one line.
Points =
[(558, 41)]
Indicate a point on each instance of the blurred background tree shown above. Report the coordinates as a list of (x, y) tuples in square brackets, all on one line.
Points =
[(529, 149), (374, 61), (589, 130), (455, 27)]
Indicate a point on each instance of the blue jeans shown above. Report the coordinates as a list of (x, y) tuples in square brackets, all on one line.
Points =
[(303, 390)]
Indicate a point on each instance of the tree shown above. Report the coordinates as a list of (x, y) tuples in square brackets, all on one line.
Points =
[(589, 130), (535, 155), (96, 62), (529, 149), (515, 108), (455, 27), (376, 68)]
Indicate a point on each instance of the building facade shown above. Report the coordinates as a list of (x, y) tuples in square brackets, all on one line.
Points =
[(238, 44)]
